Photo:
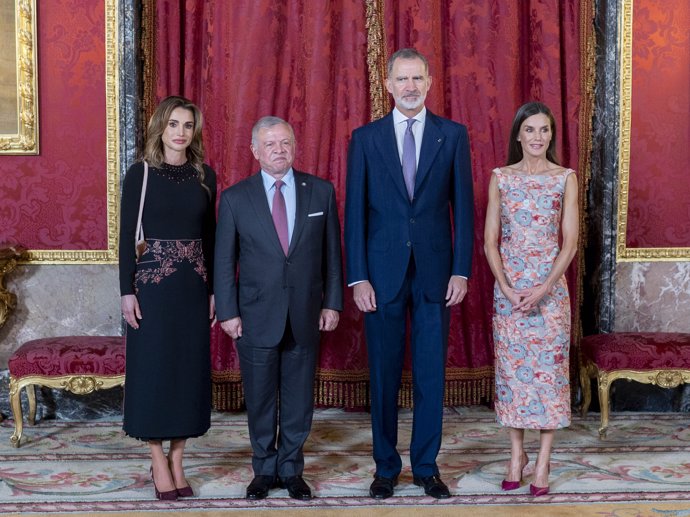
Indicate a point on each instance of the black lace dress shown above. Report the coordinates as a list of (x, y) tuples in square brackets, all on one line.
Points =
[(168, 373)]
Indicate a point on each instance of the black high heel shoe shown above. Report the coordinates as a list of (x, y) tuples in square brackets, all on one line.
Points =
[(168, 495)]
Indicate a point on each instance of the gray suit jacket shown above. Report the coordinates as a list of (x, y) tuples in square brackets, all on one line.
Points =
[(253, 277)]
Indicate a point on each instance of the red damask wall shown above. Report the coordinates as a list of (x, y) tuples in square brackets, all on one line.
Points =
[(57, 200), (658, 208)]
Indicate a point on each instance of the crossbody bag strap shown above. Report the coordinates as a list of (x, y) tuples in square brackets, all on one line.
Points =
[(139, 236)]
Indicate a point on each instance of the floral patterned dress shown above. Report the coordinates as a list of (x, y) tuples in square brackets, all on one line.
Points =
[(532, 348)]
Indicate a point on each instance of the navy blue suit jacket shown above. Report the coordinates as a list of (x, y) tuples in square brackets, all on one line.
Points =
[(383, 227)]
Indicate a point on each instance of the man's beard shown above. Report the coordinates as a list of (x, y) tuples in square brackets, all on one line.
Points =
[(411, 103)]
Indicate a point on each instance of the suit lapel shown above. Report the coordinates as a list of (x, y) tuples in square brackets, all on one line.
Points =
[(388, 147), (432, 140), (257, 197), (303, 189)]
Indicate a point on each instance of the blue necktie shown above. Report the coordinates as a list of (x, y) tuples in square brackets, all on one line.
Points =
[(409, 158)]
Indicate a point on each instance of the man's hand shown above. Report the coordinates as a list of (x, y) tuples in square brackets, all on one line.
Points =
[(131, 310), (364, 296), (328, 319), (457, 289), (232, 327)]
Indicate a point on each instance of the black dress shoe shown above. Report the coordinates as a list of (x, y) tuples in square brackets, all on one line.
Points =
[(259, 487), (382, 487), (433, 486), (296, 487)]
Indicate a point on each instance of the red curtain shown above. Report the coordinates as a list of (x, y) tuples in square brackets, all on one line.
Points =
[(307, 62), (487, 58)]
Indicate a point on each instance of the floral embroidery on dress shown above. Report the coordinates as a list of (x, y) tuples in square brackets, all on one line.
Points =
[(169, 254), (532, 348)]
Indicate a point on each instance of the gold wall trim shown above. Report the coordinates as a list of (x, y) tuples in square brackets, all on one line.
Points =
[(25, 141), (148, 52), (376, 58), (623, 253), (112, 96), (587, 81)]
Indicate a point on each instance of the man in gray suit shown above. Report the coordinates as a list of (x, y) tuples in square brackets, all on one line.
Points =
[(278, 282)]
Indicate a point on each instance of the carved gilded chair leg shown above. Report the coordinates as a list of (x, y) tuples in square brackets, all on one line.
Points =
[(604, 403), (586, 384), (31, 396), (16, 405)]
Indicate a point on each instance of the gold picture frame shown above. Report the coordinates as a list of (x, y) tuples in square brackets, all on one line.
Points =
[(112, 95), (19, 94), (623, 252)]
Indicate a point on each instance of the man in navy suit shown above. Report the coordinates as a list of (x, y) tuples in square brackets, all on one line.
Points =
[(278, 282), (408, 239)]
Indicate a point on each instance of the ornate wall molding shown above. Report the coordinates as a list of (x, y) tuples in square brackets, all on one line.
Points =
[(8, 261), (112, 94), (25, 141)]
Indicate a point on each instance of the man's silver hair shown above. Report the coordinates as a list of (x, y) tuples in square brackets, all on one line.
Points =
[(269, 121), (407, 53)]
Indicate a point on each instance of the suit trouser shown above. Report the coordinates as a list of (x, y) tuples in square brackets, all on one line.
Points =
[(385, 331), (278, 386)]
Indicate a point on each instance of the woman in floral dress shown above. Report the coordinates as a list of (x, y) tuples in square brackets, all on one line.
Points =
[(531, 201), (166, 294)]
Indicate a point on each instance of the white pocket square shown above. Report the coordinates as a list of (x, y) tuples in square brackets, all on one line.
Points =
[(315, 214)]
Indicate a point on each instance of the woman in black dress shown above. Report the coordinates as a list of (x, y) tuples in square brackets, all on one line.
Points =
[(166, 295)]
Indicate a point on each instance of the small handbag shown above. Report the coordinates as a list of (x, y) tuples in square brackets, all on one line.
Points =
[(139, 240)]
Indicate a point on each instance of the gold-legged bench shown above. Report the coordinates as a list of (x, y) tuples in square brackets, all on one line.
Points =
[(80, 364), (661, 358)]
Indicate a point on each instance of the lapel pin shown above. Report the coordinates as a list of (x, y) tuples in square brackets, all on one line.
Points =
[(304, 184)]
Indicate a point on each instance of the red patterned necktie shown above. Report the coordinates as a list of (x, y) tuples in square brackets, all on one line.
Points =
[(279, 214)]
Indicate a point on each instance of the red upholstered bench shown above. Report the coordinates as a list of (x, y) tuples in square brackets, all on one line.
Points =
[(80, 364), (661, 358)]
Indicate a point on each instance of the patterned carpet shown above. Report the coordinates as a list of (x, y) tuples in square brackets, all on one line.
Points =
[(91, 467)]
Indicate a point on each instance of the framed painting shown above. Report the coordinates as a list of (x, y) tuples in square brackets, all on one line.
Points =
[(68, 213), (18, 71), (654, 150)]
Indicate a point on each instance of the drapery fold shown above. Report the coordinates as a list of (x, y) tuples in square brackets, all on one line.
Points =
[(320, 65)]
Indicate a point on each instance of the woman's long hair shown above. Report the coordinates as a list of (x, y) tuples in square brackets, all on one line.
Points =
[(154, 152), (524, 112)]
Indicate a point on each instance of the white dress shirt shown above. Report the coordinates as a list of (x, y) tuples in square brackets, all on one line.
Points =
[(400, 125)]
